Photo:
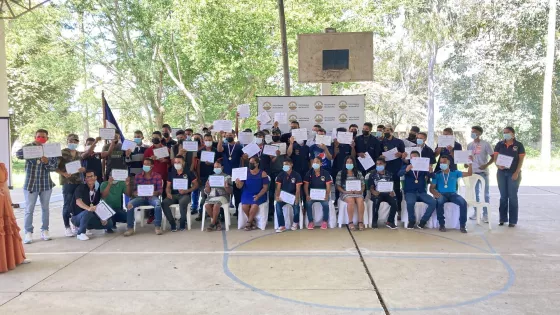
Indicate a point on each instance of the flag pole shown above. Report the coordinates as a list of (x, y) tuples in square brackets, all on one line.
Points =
[(103, 109)]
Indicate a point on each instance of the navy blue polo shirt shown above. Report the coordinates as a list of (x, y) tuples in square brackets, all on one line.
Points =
[(410, 185), (427, 152), (339, 162), (300, 157), (318, 182), (289, 181), (186, 175), (207, 170), (515, 149), (369, 144), (286, 138), (316, 151), (395, 165), (236, 153), (444, 151)]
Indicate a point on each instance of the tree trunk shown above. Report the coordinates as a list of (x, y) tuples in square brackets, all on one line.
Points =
[(547, 89), (431, 92), (84, 69)]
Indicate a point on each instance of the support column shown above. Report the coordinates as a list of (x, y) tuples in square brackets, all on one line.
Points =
[(5, 140)]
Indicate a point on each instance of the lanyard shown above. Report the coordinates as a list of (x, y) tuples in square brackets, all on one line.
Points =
[(415, 173), (92, 197), (445, 180), (231, 150)]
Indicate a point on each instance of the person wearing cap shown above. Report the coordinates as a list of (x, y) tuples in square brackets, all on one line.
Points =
[(483, 157), (509, 178)]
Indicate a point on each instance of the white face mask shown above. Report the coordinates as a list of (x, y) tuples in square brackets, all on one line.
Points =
[(208, 143), (178, 166), (258, 140)]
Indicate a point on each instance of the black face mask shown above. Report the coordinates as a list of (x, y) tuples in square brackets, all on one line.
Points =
[(411, 137), (156, 141), (387, 135), (229, 139), (252, 166), (166, 134), (275, 138), (365, 133), (354, 133)]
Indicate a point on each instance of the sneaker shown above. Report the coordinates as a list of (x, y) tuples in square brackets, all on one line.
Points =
[(129, 232), (442, 228), (511, 225), (182, 226), (45, 235), (173, 228), (310, 226), (295, 227), (374, 226), (28, 238), (109, 231), (82, 237), (391, 225), (473, 217), (485, 218), (89, 232), (199, 217), (281, 229), (194, 211), (422, 225), (68, 232), (324, 225), (158, 231), (410, 225), (501, 224), (463, 229), (74, 229), (151, 219)]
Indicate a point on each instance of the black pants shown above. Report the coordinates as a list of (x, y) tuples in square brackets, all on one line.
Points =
[(271, 192), (397, 190), (384, 197)]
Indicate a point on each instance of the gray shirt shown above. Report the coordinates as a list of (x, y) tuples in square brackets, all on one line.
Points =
[(481, 152)]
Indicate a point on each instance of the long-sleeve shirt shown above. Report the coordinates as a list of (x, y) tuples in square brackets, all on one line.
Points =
[(37, 174), (155, 180)]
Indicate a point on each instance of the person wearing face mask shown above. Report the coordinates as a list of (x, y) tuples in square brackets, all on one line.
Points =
[(231, 153), (444, 189), (290, 182), (205, 169), (299, 154), (135, 157), (179, 196), (92, 160), (323, 152), (86, 198), (317, 178), (166, 137), (37, 184), (353, 198), (481, 151), (381, 174), (161, 166), (314, 130), (394, 166), (449, 151), (411, 140), (112, 192), (354, 130), (69, 182), (217, 197), (114, 159), (254, 191), (341, 151), (273, 165), (367, 143), (423, 149), (379, 132), (294, 124), (509, 178)]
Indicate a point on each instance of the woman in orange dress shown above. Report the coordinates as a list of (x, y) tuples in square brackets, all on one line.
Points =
[(11, 247)]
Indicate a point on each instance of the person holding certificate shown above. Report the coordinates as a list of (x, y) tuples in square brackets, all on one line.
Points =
[(288, 187), (254, 191), (509, 154), (422, 148), (299, 154), (319, 181), (161, 164), (366, 142), (231, 153), (112, 192), (37, 184), (205, 169), (341, 151), (86, 198), (415, 190), (448, 151), (394, 166), (275, 166), (92, 160), (351, 193), (381, 186), (134, 158), (217, 196), (323, 152), (180, 184), (147, 177), (444, 189)]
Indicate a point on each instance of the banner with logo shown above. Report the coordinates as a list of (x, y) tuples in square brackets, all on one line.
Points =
[(330, 111)]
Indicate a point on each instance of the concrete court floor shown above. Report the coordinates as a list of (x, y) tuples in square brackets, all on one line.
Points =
[(503, 271)]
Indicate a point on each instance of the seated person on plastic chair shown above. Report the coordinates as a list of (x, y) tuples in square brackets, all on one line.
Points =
[(288, 181), (415, 190), (112, 193), (217, 197), (147, 177), (376, 176), (87, 198), (353, 198), (254, 192), (317, 178), (179, 196), (444, 189)]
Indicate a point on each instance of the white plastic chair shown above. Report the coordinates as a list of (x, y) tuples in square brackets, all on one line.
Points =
[(175, 210), (261, 218), (227, 215), (288, 211), (318, 215), (139, 213), (419, 210), (343, 214), (470, 196)]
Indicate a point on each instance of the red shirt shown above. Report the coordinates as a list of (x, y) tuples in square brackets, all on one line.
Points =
[(159, 167)]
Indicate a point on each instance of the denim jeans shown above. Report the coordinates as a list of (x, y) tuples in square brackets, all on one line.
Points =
[(309, 207), (411, 199), (89, 220), (195, 196), (120, 216), (30, 202), (456, 199), (384, 197), (183, 201), (486, 192), (145, 201), (280, 213), (508, 196), (68, 205)]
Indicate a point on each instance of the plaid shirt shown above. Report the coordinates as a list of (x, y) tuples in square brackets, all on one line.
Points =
[(37, 174), (155, 180)]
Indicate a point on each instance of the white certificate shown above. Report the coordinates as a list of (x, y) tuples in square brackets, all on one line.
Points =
[(334, 133), (409, 150), (445, 141), (244, 111), (300, 134), (504, 160), (420, 164), (270, 150), (180, 183), (245, 137), (207, 156), (251, 149), (240, 172), (345, 137), (268, 139), (32, 152), (216, 181), (161, 153), (281, 118), (120, 175), (73, 167), (264, 117), (462, 157), (104, 211), (317, 194), (409, 143), (281, 147), (127, 144), (384, 186), (107, 133), (190, 146), (390, 155), (323, 139), (353, 185), (145, 190), (287, 197), (52, 150), (367, 162), (222, 125)]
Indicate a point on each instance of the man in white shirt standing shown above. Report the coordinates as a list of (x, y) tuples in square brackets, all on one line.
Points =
[(483, 156)]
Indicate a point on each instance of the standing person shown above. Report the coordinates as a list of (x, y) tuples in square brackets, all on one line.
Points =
[(231, 153), (160, 165), (509, 178), (423, 149), (412, 134), (68, 181), (294, 124), (317, 178), (290, 182), (381, 174), (481, 151), (217, 197), (323, 152), (11, 248), (38, 184), (366, 143), (205, 169), (449, 151), (134, 158), (166, 138), (115, 158), (379, 132), (353, 198), (341, 152), (254, 193), (354, 130), (92, 160), (179, 196), (390, 142), (314, 130), (274, 168)]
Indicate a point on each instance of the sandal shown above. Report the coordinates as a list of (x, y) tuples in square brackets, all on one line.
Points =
[(218, 227), (211, 228), (247, 227), (254, 226), (361, 226), (351, 226)]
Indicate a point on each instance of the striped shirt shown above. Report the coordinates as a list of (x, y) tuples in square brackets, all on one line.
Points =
[(37, 174)]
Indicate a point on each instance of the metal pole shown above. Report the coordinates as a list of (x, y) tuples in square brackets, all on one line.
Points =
[(286, 64)]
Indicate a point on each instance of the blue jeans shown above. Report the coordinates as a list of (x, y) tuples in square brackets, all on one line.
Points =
[(30, 202), (486, 192), (89, 220), (67, 206), (145, 201), (280, 213), (508, 196), (456, 199), (411, 199), (309, 208), (195, 196)]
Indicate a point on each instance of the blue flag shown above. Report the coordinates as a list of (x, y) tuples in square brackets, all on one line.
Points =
[(110, 120)]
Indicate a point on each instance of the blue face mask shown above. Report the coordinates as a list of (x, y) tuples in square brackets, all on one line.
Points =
[(378, 134), (218, 170), (72, 146), (474, 136), (444, 167), (316, 166), (349, 166), (507, 136), (146, 168), (138, 141), (420, 141), (380, 168), (96, 185), (286, 168)]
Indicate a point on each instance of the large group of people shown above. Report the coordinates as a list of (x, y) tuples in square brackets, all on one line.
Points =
[(300, 173)]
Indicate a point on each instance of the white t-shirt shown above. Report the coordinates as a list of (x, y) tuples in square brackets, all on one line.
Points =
[(481, 152)]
